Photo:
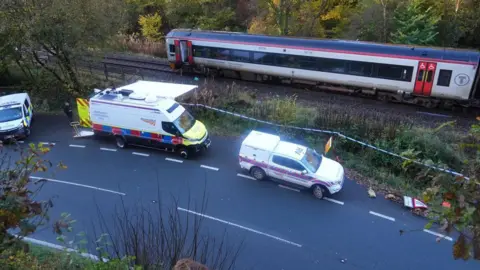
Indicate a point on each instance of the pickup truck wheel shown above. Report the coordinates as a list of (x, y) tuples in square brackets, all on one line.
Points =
[(318, 192), (258, 173), (121, 142)]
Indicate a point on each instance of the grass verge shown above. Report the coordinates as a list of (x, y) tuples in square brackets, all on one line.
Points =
[(440, 147)]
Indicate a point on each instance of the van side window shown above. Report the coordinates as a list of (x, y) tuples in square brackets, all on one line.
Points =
[(169, 128), (27, 104)]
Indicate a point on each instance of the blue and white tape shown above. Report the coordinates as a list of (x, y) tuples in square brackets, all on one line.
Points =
[(333, 133)]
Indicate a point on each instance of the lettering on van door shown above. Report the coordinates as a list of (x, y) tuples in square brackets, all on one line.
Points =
[(100, 115)]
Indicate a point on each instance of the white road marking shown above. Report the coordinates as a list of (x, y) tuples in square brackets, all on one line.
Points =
[(438, 234), (334, 201), (210, 168), (108, 149), (76, 184), (382, 216), (435, 114), (47, 143), (246, 176), (240, 226), (289, 188), (58, 247), (141, 154), (20, 141), (174, 160), (77, 146)]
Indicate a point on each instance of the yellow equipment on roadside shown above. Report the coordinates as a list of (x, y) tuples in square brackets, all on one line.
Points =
[(83, 112)]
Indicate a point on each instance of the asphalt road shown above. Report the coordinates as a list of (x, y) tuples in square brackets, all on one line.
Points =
[(280, 228)]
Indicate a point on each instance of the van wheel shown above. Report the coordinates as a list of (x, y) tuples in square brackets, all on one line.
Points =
[(121, 142), (183, 153), (258, 173), (318, 192), (27, 132)]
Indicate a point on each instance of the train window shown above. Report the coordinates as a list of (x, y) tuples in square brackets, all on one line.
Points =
[(429, 76), (171, 48), (263, 58), (309, 63), (199, 51), (360, 68), (240, 56), (420, 75), (394, 72), (444, 77), (332, 65), (286, 61), (220, 54)]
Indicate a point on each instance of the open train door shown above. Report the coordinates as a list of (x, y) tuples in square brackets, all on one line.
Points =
[(183, 52), (424, 80)]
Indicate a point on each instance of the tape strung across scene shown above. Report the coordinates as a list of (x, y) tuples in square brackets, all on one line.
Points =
[(329, 132)]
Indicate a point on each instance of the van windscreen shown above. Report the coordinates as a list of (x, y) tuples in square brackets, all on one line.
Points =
[(184, 122), (10, 114)]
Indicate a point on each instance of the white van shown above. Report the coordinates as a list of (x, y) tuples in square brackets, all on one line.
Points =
[(16, 114), (146, 114), (265, 155)]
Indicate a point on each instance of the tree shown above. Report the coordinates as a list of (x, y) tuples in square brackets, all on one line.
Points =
[(454, 203), (64, 29), (415, 24), (19, 211), (150, 26), (317, 18)]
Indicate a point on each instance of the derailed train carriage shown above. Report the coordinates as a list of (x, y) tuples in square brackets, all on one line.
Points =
[(430, 77)]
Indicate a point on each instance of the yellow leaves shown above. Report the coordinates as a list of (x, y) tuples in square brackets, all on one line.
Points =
[(461, 249), (61, 165), (150, 26)]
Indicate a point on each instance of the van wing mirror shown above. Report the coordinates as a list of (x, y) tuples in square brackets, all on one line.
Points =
[(304, 172)]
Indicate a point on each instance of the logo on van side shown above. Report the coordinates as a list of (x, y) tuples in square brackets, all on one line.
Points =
[(149, 121)]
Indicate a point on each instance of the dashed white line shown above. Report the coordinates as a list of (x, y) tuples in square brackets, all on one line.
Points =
[(210, 168), (289, 188), (246, 176), (240, 226), (438, 234), (77, 146), (76, 184), (333, 201), (174, 160), (141, 154), (20, 141), (382, 216), (47, 143), (108, 149)]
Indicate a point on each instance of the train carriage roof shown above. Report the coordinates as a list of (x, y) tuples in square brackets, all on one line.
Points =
[(334, 44)]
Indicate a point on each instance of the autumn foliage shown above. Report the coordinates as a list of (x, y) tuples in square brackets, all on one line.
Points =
[(455, 204)]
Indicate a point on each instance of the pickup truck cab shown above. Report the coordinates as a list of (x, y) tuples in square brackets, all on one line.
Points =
[(266, 156)]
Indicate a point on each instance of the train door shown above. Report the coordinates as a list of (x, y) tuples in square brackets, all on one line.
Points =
[(183, 52), (424, 80)]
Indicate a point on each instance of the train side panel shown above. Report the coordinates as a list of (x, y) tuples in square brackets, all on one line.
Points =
[(453, 81), (311, 75)]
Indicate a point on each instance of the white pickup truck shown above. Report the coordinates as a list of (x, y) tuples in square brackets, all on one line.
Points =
[(265, 155)]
